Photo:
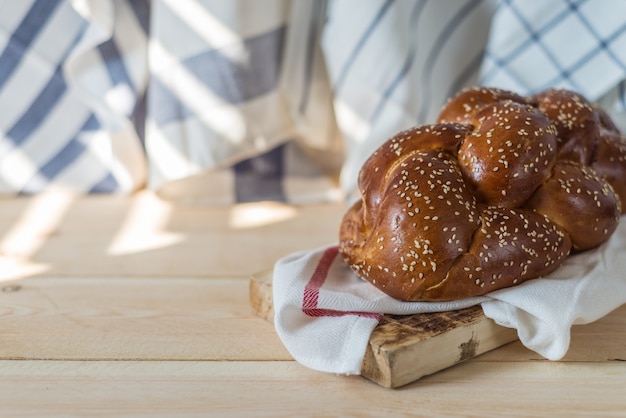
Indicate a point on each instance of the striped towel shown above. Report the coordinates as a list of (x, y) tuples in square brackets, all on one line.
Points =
[(238, 101), (71, 84), (307, 88)]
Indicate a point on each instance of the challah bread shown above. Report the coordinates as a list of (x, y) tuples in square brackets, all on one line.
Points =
[(509, 154), (494, 194), (576, 121), (580, 202), (609, 160), (462, 107), (372, 186)]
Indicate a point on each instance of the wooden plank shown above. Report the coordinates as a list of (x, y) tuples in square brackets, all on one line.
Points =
[(284, 389), (403, 349), (260, 294), (62, 235), (130, 318)]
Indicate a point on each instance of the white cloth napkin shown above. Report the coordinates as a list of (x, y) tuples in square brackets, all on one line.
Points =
[(324, 314)]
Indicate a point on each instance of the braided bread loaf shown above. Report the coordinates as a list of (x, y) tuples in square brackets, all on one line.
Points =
[(499, 191)]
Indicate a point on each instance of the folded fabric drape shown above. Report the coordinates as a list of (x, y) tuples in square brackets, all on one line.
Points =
[(306, 89), (72, 76), (222, 102)]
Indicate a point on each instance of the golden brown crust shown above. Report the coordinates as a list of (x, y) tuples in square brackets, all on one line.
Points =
[(609, 162), (576, 121), (509, 154), (495, 194), (425, 220), (444, 136), (580, 202), (462, 107)]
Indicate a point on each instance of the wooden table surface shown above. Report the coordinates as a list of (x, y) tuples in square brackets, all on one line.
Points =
[(134, 307)]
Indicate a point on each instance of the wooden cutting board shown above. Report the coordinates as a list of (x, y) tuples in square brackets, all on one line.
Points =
[(404, 348)]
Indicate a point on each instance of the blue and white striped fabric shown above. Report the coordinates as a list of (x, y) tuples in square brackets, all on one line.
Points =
[(393, 64), (235, 101), (287, 80), (237, 108), (578, 45), (70, 83)]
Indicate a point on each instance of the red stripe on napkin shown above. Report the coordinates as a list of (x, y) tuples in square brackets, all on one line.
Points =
[(312, 290)]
